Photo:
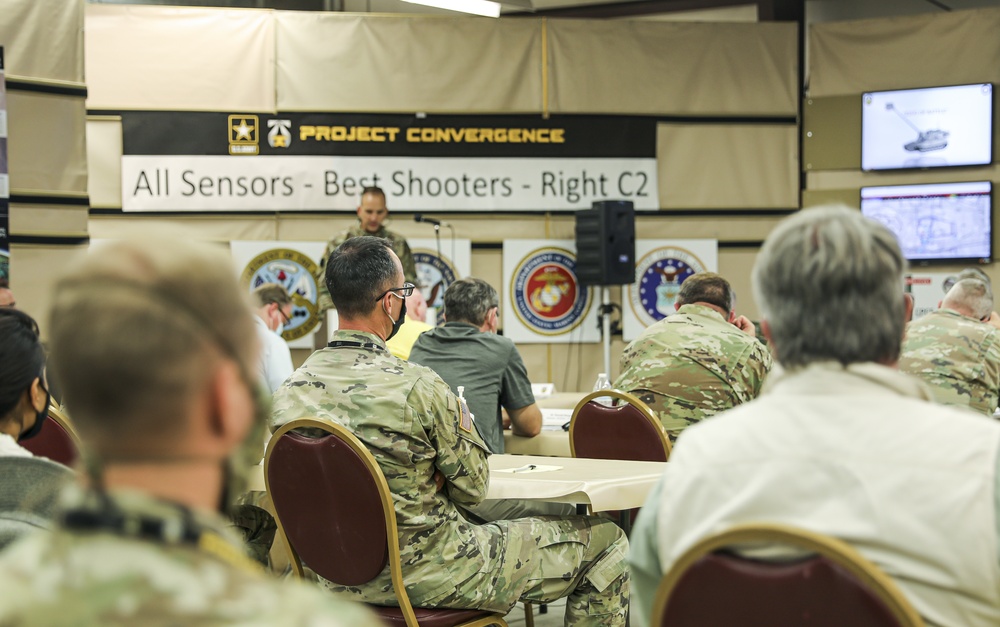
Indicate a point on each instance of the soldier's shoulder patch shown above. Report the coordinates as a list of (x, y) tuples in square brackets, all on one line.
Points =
[(465, 416)]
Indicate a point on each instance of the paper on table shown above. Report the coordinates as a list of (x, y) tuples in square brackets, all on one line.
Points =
[(555, 417), (530, 468)]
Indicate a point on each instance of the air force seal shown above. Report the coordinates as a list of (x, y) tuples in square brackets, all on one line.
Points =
[(294, 271), (547, 297), (658, 278), (434, 274)]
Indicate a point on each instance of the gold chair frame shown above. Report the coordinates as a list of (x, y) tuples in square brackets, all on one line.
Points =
[(630, 399), (60, 417), (389, 514), (837, 551)]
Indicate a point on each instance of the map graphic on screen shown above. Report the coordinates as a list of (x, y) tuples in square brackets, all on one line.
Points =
[(927, 128), (936, 222)]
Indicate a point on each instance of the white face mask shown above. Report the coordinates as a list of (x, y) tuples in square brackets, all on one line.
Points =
[(280, 329)]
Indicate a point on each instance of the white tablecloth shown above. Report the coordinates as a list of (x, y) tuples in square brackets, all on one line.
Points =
[(604, 484), (552, 443)]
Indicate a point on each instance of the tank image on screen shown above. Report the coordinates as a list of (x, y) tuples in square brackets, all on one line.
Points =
[(927, 128), (926, 140)]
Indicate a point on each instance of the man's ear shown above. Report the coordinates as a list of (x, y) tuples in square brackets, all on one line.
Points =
[(677, 305), (908, 306), (37, 395), (765, 329), (231, 406), (732, 317)]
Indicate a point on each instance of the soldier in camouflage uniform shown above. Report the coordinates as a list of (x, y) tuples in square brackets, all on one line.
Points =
[(697, 362), (955, 350), (435, 460), (371, 213), (154, 346)]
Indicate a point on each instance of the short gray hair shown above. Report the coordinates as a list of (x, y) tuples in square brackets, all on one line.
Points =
[(136, 329), (828, 282), (469, 300), (971, 295)]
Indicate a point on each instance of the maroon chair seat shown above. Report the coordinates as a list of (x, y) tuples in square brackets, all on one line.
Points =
[(56, 441), (830, 586), (335, 514)]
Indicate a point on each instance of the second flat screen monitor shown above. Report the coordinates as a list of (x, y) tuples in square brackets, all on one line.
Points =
[(939, 222), (927, 128)]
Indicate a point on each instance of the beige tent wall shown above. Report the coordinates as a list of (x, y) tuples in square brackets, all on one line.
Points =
[(850, 58), (434, 64), (331, 62), (660, 68), (182, 59), (43, 50)]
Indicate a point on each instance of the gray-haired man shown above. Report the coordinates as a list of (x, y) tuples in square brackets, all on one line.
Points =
[(955, 351), (840, 442)]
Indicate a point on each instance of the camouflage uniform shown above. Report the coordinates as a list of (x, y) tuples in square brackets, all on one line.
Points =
[(691, 365), (105, 577), (957, 357), (399, 246), (410, 421)]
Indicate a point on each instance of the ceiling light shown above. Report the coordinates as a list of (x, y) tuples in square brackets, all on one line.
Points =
[(486, 8)]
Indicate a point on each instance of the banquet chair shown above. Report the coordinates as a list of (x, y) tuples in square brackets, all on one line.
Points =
[(335, 515), (57, 440), (627, 430), (827, 584)]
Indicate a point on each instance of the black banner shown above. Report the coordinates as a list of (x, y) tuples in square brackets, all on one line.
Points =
[(378, 135)]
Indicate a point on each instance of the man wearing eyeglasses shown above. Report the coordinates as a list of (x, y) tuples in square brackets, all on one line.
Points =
[(274, 313), (435, 462)]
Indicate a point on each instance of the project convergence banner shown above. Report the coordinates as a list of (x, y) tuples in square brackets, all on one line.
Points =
[(197, 161)]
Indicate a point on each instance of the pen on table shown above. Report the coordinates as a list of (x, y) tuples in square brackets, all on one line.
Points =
[(524, 468)]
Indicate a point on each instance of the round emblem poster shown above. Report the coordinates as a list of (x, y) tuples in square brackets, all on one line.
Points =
[(434, 274), (546, 295), (296, 272), (658, 277)]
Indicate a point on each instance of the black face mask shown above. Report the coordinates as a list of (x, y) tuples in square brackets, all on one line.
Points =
[(40, 416), (399, 321)]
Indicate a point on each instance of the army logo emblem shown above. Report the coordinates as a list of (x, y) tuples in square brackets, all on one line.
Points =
[(243, 135), (658, 278), (294, 271), (434, 274), (547, 297)]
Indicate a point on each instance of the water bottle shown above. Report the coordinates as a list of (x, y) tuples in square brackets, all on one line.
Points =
[(603, 383)]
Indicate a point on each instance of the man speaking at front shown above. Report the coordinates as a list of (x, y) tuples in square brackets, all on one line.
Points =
[(433, 458)]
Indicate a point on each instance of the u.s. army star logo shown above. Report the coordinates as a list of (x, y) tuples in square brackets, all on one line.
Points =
[(244, 135), (296, 273)]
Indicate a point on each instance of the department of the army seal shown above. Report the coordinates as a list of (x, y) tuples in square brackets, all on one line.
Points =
[(295, 271), (546, 294), (658, 278), (434, 273)]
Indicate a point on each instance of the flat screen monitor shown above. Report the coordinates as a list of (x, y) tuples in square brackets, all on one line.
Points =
[(938, 222), (927, 128)]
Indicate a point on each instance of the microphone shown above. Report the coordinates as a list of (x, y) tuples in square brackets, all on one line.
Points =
[(421, 218)]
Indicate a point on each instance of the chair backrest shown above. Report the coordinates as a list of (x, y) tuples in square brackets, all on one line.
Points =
[(830, 586), (628, 430), (57, 440), (333, 505)]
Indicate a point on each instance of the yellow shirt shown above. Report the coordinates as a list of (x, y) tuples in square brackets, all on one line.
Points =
[(402, 342)]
